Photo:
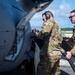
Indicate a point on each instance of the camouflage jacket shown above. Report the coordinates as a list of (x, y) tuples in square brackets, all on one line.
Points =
[(55, 39), (73, 49)]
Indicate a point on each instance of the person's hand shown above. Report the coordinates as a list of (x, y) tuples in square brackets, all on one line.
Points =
[(68, 55)]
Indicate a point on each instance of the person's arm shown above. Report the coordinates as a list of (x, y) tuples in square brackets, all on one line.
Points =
[(46, 28), (73, 51), (70, 53)]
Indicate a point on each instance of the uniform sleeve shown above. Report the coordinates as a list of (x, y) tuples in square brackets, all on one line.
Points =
[(73, 51), (46, 27)]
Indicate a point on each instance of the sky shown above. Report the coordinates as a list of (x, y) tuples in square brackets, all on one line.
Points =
[(60, 9)]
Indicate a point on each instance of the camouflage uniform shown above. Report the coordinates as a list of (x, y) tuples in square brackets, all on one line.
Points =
[(73, 51), (50, 53), (73, 38)]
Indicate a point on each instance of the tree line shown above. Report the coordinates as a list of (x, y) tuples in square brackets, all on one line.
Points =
[(66, 29)]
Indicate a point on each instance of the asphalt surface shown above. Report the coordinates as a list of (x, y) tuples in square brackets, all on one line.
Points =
[(65, 67)]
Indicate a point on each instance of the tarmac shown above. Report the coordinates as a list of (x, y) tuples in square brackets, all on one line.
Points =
[(65, 67)]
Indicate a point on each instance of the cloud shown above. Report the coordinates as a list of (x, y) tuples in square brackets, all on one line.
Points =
[(37, 16), (64, 9), (61, 10)]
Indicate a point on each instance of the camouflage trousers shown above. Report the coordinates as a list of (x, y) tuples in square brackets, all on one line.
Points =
[(49, 65)]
